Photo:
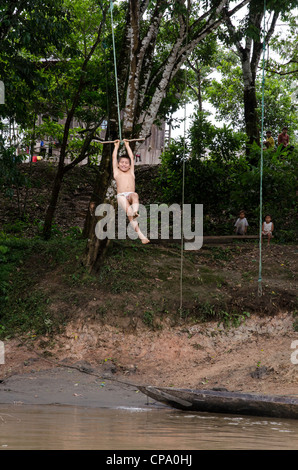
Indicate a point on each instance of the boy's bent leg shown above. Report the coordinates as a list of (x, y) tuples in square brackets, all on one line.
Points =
[(123, 203), (136, 227), (134, 202)]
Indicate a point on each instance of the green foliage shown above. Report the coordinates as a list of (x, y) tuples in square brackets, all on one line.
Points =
[(206, 312), (24, 305), (218, 143), (148, 318), (225, 182), (10, 175), (28, 32), (28, 313), (280, 110), (51, 128), (233, 319), (225, 93), (12, 252)]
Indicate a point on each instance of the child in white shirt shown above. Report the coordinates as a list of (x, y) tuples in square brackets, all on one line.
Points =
[(241, 224), (267, 228)]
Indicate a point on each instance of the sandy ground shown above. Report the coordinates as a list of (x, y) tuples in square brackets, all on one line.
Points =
[(61, 386), (260, 356)]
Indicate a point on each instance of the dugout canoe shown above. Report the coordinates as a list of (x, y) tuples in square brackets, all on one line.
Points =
[(213, 401)]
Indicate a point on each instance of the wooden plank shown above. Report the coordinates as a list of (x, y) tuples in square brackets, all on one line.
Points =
[(208, 240), (228, 238)]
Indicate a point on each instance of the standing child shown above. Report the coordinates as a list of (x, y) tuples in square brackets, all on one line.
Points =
[(128, 199), (267, 228), (284, 138), (241, 224), (269, 142)]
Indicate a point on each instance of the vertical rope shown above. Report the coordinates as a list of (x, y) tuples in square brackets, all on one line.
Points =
[(261, 161), (182, 202), (183, 172), (115, 66)]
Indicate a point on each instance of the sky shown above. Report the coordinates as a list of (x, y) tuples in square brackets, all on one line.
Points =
[(179, 131)]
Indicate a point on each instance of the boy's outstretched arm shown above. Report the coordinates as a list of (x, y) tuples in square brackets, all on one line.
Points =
[(130, 154), (115, 155)]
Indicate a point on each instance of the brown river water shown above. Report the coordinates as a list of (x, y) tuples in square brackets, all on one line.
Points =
[(59, 427)]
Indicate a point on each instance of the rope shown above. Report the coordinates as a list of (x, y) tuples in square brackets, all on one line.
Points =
[(115, 66), (183, 174), (183, 188), (261, 162)]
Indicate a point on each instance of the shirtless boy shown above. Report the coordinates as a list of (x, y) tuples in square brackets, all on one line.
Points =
[(128, 199)]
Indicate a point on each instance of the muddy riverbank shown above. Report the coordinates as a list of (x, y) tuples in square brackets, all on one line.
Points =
[(96, 365)]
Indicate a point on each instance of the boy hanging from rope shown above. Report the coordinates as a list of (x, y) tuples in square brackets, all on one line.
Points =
[(128, 199)]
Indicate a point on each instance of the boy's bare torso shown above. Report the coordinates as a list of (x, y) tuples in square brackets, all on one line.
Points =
[(124, 175), (125, 181), (123, 169)]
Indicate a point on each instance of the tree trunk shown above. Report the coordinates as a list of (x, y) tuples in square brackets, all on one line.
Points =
[(143, 86), (251, 115), (95, 248), (53, 204), (101, 186), (250, 55)]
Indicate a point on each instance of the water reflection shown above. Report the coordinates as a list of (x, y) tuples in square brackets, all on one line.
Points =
[(61, 427)]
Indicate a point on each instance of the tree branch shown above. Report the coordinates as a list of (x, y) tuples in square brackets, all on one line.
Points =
[(280, 73), (83, 152), (76, 98)]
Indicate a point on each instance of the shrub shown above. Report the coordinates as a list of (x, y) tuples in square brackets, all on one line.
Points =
[(226, 182)]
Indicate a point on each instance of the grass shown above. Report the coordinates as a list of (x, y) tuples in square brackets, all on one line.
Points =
[(227, 318), (221, 254), (38, 275), (12, 253), (44, 285), (28, 314), (24, 306)]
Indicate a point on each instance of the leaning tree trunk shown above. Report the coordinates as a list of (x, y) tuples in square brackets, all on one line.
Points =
[(95, 248)]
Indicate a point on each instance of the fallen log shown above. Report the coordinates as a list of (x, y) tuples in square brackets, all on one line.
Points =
[(214, 401)]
